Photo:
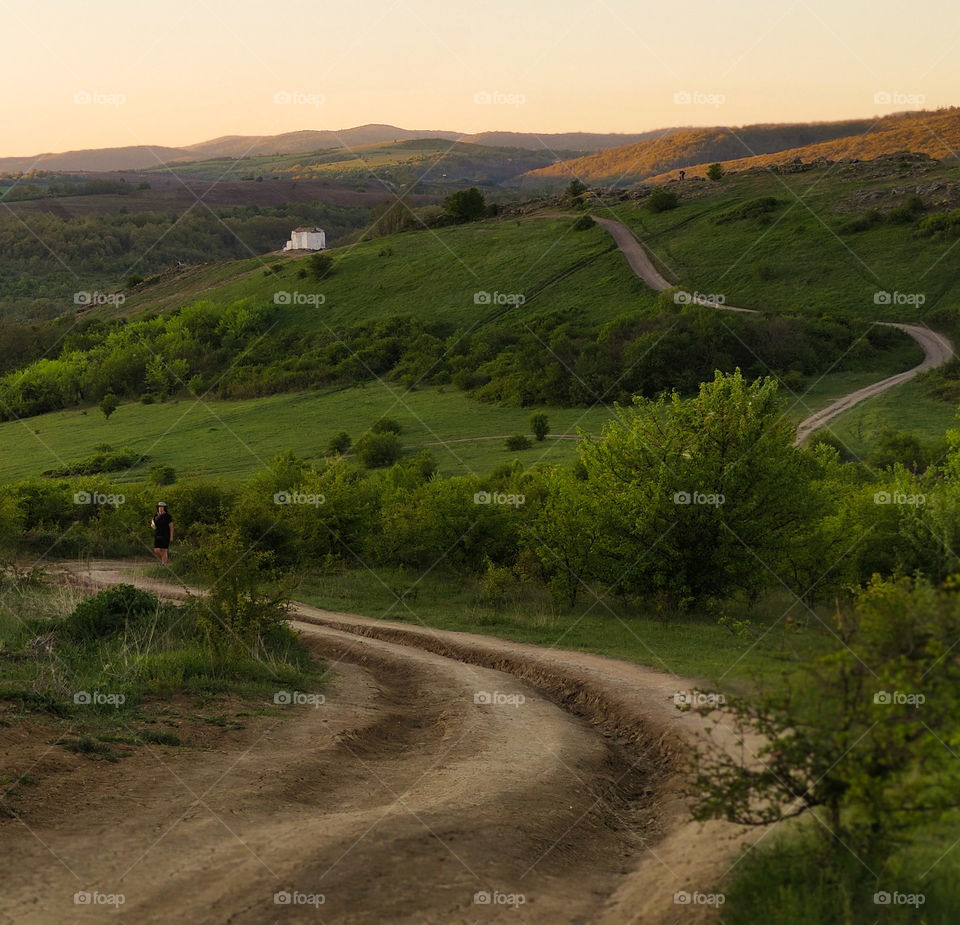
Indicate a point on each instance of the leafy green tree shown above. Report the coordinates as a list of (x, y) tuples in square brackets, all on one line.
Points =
[(465, 205), (863, 737), (108, 404), (701, 497), (715, 172), (378, 450), (339, 444), (386, 426), (539, 424), (517, 442)]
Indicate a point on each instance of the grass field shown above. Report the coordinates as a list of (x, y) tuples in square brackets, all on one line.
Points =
[(236, 438)]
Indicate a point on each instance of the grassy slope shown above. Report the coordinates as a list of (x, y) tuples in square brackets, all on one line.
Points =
[(432, 274), (798, 262)]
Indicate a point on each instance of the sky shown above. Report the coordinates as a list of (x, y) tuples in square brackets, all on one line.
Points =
[(103, 74)]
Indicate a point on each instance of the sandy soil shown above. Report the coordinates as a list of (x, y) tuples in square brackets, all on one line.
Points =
[(399, 799)]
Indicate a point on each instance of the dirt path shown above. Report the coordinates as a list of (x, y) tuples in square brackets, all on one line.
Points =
[(397, 800), (937, 349)]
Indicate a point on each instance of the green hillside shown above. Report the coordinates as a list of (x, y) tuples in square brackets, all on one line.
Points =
[(433, 275)]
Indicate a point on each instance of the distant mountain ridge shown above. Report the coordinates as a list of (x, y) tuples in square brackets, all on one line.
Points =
[(141, 157), (934, 133)]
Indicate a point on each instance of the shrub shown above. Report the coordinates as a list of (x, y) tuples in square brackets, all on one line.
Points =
[(108, 613), (339, 444), (320, 265), (163, 475), (583, 223), (715, 172), (662, 200), (386, 426), (518, 442), (540, 425), (377, 450)]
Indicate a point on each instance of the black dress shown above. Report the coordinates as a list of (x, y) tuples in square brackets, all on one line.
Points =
[(161, 531)]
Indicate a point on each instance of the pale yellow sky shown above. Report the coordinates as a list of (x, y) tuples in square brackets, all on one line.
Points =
[(106, 73)]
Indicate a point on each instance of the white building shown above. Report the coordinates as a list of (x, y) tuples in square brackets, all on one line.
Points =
[(306, 239)]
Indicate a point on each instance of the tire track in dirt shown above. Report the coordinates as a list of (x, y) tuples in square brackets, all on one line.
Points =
[(402, 797)]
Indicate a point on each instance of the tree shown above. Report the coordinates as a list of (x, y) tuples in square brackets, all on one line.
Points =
[(715, 172), (574, 192), (539, 424), (517, 442), (465, 205), (865, 735), (320, 265), (108, 404), (377, 450), (386, 426), (700, 497), (339, 444)]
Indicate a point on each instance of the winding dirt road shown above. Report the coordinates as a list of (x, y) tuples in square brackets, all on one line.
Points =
[(447, 778), (937, 349)]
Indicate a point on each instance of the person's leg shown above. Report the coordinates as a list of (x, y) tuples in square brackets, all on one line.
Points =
[(157, 552)]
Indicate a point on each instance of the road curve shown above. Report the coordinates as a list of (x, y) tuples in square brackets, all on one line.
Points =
[(937, 349), (403, 796)]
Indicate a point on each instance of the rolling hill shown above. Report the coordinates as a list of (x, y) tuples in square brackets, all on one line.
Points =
[(862, 138), (143, 157)]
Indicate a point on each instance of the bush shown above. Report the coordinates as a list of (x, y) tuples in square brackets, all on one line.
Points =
[(320, 265), (584, 223), (518, 442), (715, 172), (378, 450), (339, 444), (662, 200), (540, 425), (386, 426), (163, 475), (108, 613)]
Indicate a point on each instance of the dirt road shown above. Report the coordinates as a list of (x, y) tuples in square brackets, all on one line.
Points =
[(937, 349), (446, 778)]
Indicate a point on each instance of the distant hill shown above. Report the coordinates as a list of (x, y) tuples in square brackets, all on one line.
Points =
[(686, 147), (936, 134), (566, 141), (143, 157)]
